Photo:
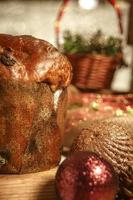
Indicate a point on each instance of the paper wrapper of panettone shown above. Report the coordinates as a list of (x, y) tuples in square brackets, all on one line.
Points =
[(33, 81), (114, 142)]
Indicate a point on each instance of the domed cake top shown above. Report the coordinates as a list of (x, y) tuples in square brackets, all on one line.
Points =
[(30, 59)]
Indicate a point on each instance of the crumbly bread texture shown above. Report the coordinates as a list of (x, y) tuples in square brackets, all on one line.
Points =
[(33, 96)]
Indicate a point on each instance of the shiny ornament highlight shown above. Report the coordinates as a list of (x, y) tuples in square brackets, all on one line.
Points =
[(86, 176)]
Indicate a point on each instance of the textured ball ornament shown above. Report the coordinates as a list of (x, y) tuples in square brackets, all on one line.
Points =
[(124, 121), (113, 140), (86, 176)]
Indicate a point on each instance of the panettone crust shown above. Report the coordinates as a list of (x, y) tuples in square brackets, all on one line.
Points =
[(33, 95), (30, 59)]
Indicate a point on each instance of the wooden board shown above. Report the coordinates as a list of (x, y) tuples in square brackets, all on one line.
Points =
[(36, 186)]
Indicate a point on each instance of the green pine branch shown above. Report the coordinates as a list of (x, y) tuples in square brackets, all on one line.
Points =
[(96, 44)]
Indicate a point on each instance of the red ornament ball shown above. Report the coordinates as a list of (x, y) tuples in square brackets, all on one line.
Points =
[(86, 176)]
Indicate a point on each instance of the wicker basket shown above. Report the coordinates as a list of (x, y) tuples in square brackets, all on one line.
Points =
[(92, 71)]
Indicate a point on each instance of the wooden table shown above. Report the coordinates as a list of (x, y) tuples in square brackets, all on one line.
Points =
[(35, 186)]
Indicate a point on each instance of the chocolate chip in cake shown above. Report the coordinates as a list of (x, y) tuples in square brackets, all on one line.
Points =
[(2, 161), (8, 49), (32, 146), (7, 60), (5, 155)]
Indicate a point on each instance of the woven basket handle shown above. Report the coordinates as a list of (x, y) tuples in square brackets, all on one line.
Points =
[(61, 12)]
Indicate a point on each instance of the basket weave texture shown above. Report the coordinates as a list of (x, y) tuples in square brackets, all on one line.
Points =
[(93, 71)]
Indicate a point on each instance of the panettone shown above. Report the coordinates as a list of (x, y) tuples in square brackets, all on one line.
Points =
[(33, 81)]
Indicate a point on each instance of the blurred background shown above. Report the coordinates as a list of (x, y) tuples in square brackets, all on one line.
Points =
[(37, 18)]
